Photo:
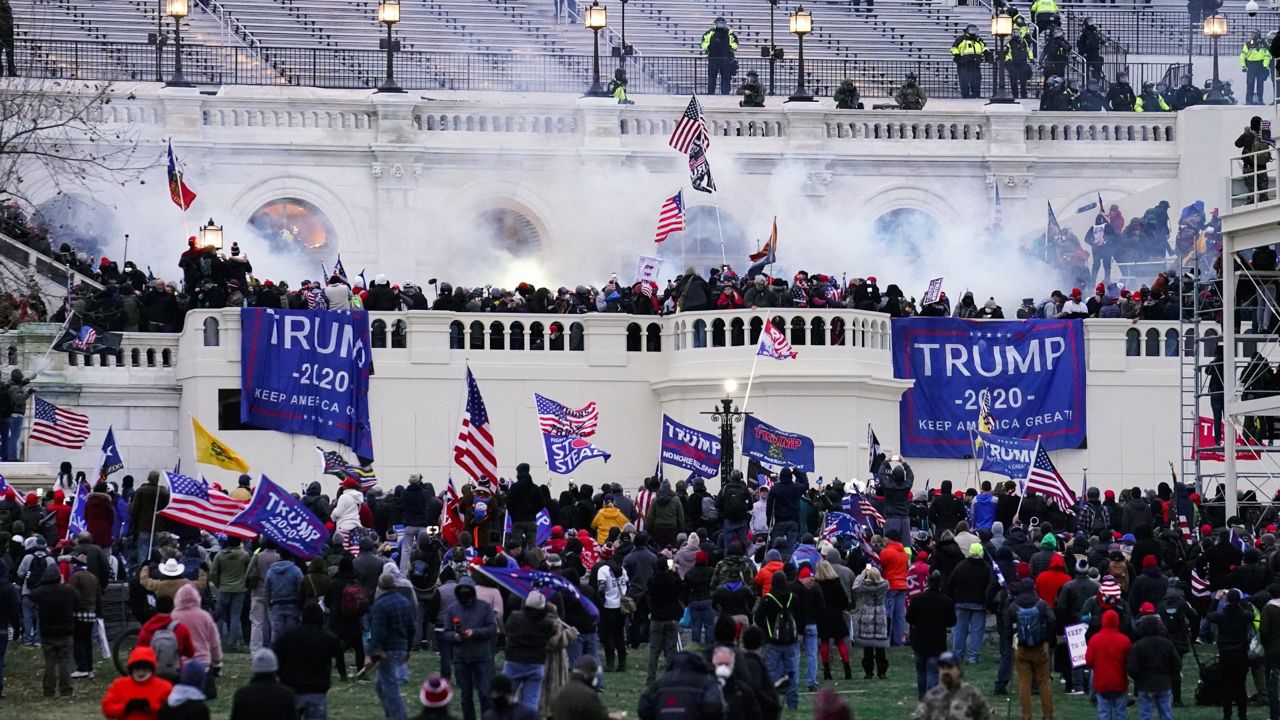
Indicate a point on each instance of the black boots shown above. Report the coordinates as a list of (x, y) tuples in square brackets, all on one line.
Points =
[(848, 672), (826, 671)]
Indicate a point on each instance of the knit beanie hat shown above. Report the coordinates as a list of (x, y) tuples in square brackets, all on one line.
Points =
[(435, 692), (264, 661)]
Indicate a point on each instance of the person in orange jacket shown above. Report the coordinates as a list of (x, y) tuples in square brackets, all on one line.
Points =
[(138, 695), (772, 564)]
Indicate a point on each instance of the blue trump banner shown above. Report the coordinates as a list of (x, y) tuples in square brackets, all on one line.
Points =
[(521, 582), (285, 521), (1033, 370), (307, 372), (543, 522), (566, 453), (1006, 456), (769, 445), (77, 524), (694, 450)]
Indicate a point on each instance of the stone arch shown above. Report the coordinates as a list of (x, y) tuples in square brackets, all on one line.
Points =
[(346, 230), (211, 335)]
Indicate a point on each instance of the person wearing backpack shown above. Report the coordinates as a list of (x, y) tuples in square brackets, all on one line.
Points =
[(1032, 622), (734, 504), (776, 615), (30, 574), (686, 691), (345, 610), (169, 639), (56, 603)]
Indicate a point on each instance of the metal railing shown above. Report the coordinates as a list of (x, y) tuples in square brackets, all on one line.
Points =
[(1165, 31), (1253, 177), (418, 70)]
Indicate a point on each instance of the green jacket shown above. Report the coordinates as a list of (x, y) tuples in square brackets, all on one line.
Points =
[(230, 568), (665, 512)]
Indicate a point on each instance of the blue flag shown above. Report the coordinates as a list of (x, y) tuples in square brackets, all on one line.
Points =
[(111, 460), (5, 487), (693, 450), (506, 528), (543, 520), (521, 582), (566, 453), (1006, 456), (77, 524), (776, 447), (806, 555), (839, 524), (285, 521)]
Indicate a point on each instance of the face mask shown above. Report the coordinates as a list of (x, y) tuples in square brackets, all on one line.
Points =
[(723, 671)]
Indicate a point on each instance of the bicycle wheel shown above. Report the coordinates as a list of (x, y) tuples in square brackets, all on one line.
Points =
[(121, 648)]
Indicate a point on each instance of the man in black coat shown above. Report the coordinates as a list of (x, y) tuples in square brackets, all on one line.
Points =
[(929, 616), (970, 586), (529, 630), (945, 510), (414, 502), (687, 685), (783, 507), (894, 483), (308, 653), (264, 698)]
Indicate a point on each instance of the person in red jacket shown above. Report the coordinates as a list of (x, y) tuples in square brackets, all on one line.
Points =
[(61, 512), (1106, 655), (1052, 580), (138, 695), (893, 563), (162, 619)]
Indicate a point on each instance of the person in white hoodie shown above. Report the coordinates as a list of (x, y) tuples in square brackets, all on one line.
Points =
[(346, 511), (760, 516)]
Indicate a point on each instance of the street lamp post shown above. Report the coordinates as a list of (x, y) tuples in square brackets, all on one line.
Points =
[(596, 18), (773, 52), (1215, 26), (727, 415), (800, 23), (177, 9), (625, 50), (389, 15), (1001, 29), (211, 235)]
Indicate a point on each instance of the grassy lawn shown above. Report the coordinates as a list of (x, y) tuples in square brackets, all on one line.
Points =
[(870, 699)]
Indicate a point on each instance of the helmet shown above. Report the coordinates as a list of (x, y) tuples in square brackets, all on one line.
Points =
[(1148, 86), (911, 77), (1088, 22), (971, 29)]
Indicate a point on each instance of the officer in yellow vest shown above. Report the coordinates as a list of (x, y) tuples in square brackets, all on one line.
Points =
[(720, 44), (968, 52), (1044, 13), (1255, 56)]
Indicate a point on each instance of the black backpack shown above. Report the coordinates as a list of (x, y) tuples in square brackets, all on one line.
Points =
[(737, 505), (783, 629), (35, 572)]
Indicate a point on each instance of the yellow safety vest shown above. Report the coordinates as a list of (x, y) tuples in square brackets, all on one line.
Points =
[(964, 47), (1254, 53), (1043, 6)]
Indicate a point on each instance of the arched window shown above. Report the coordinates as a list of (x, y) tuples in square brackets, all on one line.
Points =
[(378, 333), (737, 333), (837, 331), (1153, 343), (399, 334), (151, 358), (536, 341), (653, 338), (1171, 343), (910, 230), (166, 357), (517, 335), (717, 333), (12, 355), (818, 331), (757, 327), (556, 333), (135, 357), (797, 331), (291, 225), (699, 333), (211, 338), (477, 335), (633, 337), (497, 336), (510, 230), (1132, 342), (576, 337), (455, 335)]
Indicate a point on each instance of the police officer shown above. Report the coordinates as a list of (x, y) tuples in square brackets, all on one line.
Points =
[(1089, 45), (719, 45), (1150, 100), (969, 51), (847, 96), (1090, 100), (1019, 56), (1057, 52), (1054, 96), (1044, 13), (1185, 95), (1120, 97), (6, 37), (1254, 58), (910, 96), (752, 91), (618, 88)]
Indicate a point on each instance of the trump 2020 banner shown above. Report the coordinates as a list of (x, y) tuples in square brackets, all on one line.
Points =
[(1033, 369), (1010, 457), (694, 450), (307, 372), (285, 521), (779, 448)]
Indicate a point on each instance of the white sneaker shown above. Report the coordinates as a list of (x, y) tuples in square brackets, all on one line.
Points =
[(81, 674)]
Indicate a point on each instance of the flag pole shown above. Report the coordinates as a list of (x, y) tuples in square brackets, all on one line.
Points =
[(746, 397), (1025, 480), (720, 228), (977, 469)]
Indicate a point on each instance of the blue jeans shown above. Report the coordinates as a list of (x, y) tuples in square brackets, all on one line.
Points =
[(30, 622), (284, 617), (230, 608), (785, 660), (811, 654), (733, 532), (12, 443), (703, 623), (527, 679), (1113, 706), (143, 547), (312, 706), (926, 674), (586, 644), (967, 634), (392, 672), (1150, 703), (895, 610)]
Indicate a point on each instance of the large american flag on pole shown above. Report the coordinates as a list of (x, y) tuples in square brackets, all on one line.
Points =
[(774, 344), (55, 426), (670, 217), (1044, 478), (193, 502), (473, 451), (556, 419), (692, 124)]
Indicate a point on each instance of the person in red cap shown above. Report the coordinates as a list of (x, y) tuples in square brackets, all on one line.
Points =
[(1074, 308), (1095, 301), (1150, 587), (346, 511)]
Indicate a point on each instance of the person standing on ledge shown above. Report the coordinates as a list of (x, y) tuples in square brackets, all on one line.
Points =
[(719, 45), (6, 37), (969, 51)]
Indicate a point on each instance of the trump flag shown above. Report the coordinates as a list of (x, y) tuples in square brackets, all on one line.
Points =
[(284, 520)]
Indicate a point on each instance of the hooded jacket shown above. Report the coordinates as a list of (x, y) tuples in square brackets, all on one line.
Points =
[(284, 583), (666, 512), (1153, 661), (1107, 654), (1151, 586), (895, 484), (476, 616), (154, 690), (316, 502), (971, 582), (928, 616), (346, 512), (529, 631), (687, 684), (1048, 583), (308, 653), (186, 648), (230, 570), (56, 603), (606, 519), (205, 639)]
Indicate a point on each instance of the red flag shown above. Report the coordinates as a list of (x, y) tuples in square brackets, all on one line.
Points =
[(181, 195)]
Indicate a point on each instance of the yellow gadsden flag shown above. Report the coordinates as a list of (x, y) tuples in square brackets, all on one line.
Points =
[(212, 451)]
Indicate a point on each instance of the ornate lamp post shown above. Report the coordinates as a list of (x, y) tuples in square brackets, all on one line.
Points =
[(595, 19), (625, 50), (1215, 26), (727, 415), (772, 52), (211, 234), (1001, 28), (389, 15), (800, 23), (177, 9)]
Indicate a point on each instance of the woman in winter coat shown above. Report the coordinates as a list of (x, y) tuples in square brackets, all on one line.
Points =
[(831, 625), (871, 625), (316, 583), (100, 516), (687, 555), (200, 625), (347, 627), (557, 669), (346, 511)]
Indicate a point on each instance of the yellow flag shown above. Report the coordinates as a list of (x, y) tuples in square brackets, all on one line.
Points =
[(211, 451)]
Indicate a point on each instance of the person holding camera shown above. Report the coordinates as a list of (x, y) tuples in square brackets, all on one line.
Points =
[(719, 45), (752, 91), (470, 628)]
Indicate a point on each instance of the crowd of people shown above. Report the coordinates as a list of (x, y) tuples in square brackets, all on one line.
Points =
[(770, 594)]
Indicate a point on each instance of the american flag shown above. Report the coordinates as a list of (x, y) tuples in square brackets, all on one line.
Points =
[(451, 524), (670, 217), (644, 499), (986, 421), (556, 419), (473, 451), (351, 544), (56, 426), (1044, 478), (774, 344), (1199, 587), (1185, 528), (192, 502), (334, 464), (764, 481), (693, 124), (313, 298)]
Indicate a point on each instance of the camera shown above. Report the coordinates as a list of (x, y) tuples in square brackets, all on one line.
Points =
[(433, 529), (1251, 8), (457, 626)]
